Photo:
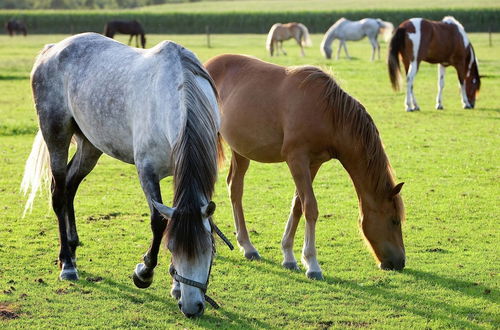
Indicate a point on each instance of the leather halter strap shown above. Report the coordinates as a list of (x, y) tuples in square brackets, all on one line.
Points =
[(203, 286)]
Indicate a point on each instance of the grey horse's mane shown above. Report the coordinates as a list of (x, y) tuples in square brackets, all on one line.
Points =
[(195, 162)]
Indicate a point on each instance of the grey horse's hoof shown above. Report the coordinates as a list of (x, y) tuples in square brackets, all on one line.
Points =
[(70, 274), (439, 107), (292, 265), (252, 255), (139, 281), (315, 275)]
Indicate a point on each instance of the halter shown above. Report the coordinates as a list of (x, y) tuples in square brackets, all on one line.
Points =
[(199, 285)]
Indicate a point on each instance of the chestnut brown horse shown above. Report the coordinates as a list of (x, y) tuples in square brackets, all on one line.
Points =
[(302, 117), (281, 32), (443, 43)]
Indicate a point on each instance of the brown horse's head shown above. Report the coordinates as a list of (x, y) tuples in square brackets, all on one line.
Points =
[(472, 79), (381, 226)]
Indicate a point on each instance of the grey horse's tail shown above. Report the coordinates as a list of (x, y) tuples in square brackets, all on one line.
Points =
[(395, 47), (37, 171)]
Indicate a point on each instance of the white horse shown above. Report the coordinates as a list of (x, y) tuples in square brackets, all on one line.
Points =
[(345, 29), (156, 109)]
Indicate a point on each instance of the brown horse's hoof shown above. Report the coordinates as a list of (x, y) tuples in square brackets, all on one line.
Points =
[(252, 255)]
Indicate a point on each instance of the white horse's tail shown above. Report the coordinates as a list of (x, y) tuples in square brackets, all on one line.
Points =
[(306, 38), (37, 170), (386, 29), (270, 35)]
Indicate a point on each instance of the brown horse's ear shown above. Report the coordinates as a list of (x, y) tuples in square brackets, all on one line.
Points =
[(397, 189)]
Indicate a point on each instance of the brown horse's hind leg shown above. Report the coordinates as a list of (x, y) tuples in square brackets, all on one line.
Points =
[(289, 260), (130, 39), (299, 167), (235, 181)]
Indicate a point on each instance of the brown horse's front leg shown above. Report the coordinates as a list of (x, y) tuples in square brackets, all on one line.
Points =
[(235, 180), (299, 167)]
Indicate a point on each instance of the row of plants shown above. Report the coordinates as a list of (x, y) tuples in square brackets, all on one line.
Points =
[(474, 20)]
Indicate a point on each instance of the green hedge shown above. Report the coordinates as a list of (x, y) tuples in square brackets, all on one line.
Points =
[(474, 20)]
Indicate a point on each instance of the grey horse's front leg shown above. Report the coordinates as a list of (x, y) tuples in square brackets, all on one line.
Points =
[(143, 273)]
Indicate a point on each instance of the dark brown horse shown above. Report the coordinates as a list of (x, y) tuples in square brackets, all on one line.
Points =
[(133, 28), (302, 117), (14, 26), (444, 43)]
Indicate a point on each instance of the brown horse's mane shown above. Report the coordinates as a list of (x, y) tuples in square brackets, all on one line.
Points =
[(350, 115)]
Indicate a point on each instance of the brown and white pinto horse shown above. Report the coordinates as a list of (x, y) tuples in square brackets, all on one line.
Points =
[(302, 117), (281, 32), (444, 43)]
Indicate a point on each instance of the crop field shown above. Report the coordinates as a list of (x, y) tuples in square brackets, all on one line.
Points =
[(313, 5), (448, 159)]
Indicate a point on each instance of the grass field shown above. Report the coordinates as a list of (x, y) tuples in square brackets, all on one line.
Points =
[(312, 5), (448, 159)]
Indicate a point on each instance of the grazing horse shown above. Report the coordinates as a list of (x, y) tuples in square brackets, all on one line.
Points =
[(158, 111), (133, 28), (281, 32), (15, 26), (345, 29), (302, 117), (443, 43)]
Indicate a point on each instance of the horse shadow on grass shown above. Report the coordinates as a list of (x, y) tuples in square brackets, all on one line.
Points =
[(426, 308), (143, 296)]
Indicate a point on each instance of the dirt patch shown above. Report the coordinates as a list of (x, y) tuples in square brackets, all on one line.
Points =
[(7, 313), (104, 217), (94, 279)]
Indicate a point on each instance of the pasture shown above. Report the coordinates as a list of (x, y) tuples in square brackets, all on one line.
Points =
[(448, 160)]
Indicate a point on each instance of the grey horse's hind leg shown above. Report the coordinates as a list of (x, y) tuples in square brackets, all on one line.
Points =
[(143, 274), (79, 167), (57, 130)]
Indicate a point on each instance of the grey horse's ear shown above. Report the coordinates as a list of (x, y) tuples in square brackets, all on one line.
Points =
[(397, 189), (208, 210), (166, 211)]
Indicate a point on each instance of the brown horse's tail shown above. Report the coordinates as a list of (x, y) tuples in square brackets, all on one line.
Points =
[(395, 47), (221, 157)]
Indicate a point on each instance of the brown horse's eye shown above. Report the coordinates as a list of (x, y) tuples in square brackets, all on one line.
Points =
[(396, 222)]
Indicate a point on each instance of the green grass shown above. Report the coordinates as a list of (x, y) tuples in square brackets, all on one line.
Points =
[(311, 5), (448, 159)]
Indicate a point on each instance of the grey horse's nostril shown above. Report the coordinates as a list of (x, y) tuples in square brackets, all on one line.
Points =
[(200, 308)]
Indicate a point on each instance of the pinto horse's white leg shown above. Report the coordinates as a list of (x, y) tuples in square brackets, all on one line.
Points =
[(299, 167), (441, 72), (410, 100), (465, 100), (235, 182), (289, 260)]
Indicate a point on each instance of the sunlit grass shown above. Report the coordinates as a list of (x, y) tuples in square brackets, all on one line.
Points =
[(448, 160)]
